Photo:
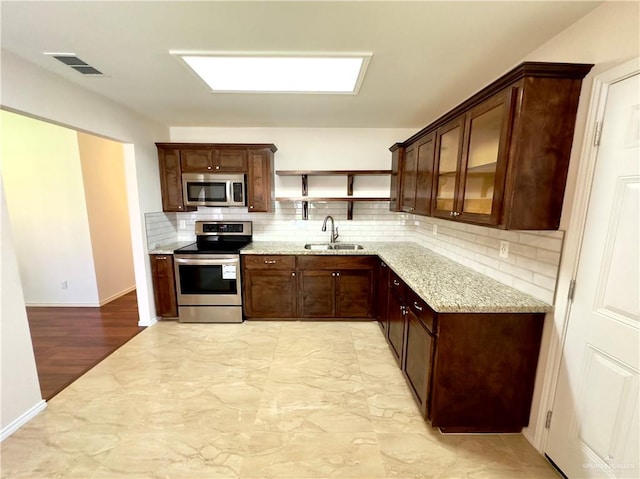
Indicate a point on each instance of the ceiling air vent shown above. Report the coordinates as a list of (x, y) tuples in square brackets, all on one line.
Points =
[(71, 60)]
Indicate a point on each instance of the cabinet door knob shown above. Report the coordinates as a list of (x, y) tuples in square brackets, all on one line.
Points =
[(337, 274), (217, 167), (395, 283), (293, 274), (383, 264), (208, 167), (451, 213), (417, 306), (250, 207), (179, 207)]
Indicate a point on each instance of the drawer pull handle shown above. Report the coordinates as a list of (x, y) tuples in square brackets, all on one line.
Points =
[(269, 261), (161, 257), (417, 306), (395, 283)]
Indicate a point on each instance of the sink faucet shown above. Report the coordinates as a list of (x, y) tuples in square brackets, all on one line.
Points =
[(334, 230)]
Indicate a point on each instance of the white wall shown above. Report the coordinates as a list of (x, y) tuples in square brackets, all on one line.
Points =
[(28, 89), (607, 37), (105, 192), (20, 396), (35, 92), (46, 203)]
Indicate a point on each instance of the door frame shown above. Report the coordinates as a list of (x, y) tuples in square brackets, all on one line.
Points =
[(574, 239)]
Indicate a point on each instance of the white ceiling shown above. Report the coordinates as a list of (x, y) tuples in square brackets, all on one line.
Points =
[(427, 56)]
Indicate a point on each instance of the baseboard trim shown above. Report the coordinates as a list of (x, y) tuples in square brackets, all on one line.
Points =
[(147, 323), (22, 420), (117, 295)]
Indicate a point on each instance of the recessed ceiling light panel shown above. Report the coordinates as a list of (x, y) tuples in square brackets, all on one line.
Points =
[(279, 73)]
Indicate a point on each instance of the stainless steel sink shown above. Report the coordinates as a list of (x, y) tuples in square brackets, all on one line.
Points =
[(347, 246), (329, 246)]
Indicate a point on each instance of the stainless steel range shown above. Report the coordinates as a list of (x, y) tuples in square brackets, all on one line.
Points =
[(208, 278)]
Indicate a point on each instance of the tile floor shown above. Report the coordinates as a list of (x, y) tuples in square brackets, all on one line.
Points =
[(252, 400)]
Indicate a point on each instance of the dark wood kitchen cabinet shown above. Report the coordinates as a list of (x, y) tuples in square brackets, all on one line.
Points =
[(171, 179), (484, 371), (254, 160), (214, 159), (270, 286), (502, 156), (164, 285), (260, 194), (419, 346), (468, 372), (396, 313), (382, 296), (336, 286), (417, 176)]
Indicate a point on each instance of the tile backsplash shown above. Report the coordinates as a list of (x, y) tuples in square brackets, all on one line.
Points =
[(531, 265)]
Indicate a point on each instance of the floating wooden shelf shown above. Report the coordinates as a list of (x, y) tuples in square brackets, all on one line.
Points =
[(350, 199)]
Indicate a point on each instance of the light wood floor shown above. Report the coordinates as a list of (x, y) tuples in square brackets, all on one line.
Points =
[(67, 342)]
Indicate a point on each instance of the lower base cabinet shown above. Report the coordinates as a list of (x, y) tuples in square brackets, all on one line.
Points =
[(468, 372), (164, 285), (309, 286), (269, 285)]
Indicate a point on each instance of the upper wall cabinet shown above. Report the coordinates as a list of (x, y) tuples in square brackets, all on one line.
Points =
[(254, 160), (501, 157)]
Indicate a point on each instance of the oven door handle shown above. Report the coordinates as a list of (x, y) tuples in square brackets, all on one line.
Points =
[(206, 262)]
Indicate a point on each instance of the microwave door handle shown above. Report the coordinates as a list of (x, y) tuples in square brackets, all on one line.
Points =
[(206, 262), (229, 192)]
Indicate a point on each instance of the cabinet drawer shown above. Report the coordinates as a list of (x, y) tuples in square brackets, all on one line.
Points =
[(335, 262), (269, 262), (396, 285), (422, 311)]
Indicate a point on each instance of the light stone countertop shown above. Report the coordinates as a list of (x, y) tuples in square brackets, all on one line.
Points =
[(447, 286), (168, 247)]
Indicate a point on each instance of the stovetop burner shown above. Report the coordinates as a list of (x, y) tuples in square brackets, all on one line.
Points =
[(217, 237)]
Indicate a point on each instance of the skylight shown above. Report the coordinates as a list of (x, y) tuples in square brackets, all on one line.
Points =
[(279, 73)]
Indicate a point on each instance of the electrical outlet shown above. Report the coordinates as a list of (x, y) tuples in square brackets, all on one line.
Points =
[(504, 249), (64, 285), (435, 230)]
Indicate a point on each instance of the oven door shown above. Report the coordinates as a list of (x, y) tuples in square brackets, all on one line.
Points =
[(208, 279)]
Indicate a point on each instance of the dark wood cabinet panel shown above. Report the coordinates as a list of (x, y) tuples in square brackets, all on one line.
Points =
[(502, 156), (317, 290), (164, 285), (409, 172), (418, 352), (396, 316), (355, 293), (220, 159), (270, 293), (197, 160), (336, 286), (260, 181), (231, 160), (171, 180), (484, 371), (424, 175), (382, 296), (270, 285)]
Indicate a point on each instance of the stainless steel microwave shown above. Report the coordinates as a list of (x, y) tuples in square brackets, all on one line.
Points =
[(213, 189)]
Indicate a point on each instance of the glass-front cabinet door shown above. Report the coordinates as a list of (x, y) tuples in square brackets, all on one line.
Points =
[(484, 167), (447, 164), (471, 153)]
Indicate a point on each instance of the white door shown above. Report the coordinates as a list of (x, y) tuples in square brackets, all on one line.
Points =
[(594, 423)]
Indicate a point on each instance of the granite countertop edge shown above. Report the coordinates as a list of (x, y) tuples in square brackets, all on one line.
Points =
[(452, 288)]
